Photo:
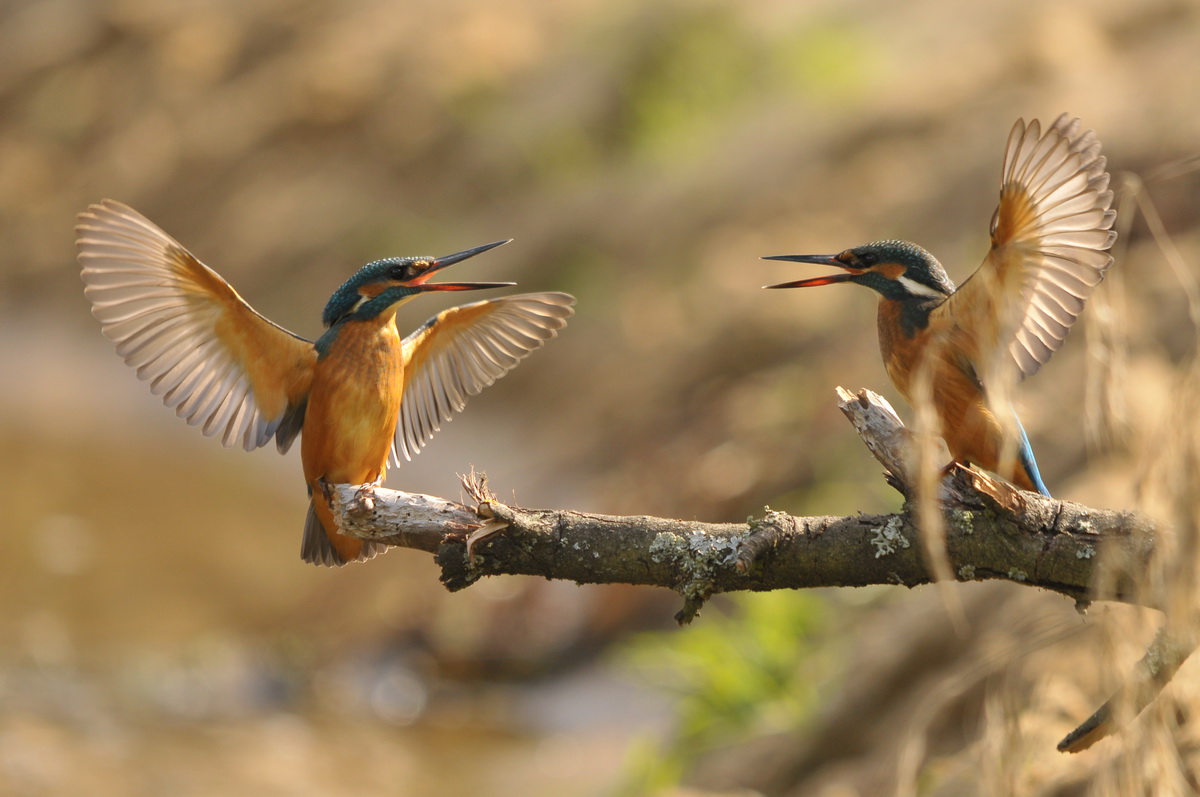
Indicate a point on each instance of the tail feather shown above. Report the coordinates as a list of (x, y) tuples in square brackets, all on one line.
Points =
[(318, 548)]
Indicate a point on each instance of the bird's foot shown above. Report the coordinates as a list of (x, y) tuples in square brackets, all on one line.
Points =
[(489, 528), (364, 496), (953, 465)]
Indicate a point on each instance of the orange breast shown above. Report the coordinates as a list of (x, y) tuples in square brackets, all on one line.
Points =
[(351, 416), (967, 424), (353, 406)]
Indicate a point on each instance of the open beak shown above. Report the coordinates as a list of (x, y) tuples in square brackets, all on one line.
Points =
[(458, 257), (822, 260)]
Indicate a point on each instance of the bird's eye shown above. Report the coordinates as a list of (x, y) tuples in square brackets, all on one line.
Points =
[(398, 273), (868, 259)]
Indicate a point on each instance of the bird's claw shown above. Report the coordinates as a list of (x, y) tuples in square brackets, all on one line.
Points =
[(364, 496)]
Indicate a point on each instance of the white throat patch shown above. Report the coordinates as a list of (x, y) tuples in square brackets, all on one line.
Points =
[(917, 289)]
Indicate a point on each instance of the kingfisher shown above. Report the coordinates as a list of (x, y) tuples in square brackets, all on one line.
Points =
[(962, 347), (360, 396)]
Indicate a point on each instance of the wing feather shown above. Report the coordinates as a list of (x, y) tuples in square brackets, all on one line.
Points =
[(214, 360), (459, 352), (1050, 239)]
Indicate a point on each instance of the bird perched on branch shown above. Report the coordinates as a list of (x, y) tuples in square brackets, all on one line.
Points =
[(961, 348), (360, 395)]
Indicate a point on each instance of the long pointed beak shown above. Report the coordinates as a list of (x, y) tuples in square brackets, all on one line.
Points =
[(822, 260), (449, 260), (462, 286)]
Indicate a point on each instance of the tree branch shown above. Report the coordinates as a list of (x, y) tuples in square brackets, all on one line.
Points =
[(1055, 545), (992, 531)]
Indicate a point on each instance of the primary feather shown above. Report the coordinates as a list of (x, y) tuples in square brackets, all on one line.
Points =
[(1051, 233), (213, 359)]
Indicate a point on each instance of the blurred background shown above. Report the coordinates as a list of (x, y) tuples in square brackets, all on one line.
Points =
[(160, 634)]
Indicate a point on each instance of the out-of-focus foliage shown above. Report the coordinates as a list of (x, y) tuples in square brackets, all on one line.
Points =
[(732, 676)]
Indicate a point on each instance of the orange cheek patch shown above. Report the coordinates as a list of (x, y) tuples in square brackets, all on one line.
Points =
[(890, 270), (420, 265), (371, 290)]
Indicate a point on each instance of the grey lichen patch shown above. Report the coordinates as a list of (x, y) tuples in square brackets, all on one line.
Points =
[(698, 557), (706, 555), (754, 522), (1086, 552), (667, 547), (967, 518), (771, 519), (890, 538), (966, 573), (1017, 575)]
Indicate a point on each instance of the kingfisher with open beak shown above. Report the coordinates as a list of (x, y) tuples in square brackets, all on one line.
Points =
[(1050, 239), (360, 395)]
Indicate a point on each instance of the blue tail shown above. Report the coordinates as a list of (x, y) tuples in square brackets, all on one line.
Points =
[(1028, 463)]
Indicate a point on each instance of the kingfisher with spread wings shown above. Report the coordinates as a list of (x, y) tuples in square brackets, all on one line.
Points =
[(1050, 239), (360, 396)]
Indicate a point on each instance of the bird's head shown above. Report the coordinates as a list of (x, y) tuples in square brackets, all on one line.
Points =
[(896, 269), (384, 284)]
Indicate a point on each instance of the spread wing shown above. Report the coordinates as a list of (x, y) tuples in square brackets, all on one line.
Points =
[(460, 351), (211, 357), (1050, 238)]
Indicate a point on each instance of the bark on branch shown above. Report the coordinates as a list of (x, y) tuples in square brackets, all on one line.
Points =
[(992, 531)]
